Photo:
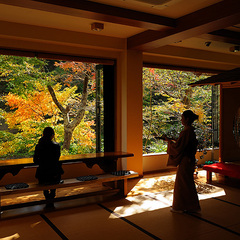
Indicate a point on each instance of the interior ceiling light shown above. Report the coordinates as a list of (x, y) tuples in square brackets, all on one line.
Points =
[(97, 26), (234, 49)]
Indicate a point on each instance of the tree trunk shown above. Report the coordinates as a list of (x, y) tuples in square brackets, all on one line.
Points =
[(69, 125), (67, 138)]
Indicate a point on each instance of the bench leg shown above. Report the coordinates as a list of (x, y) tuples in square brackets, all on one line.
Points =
[(122, 185), (209, 177), (125, 187)]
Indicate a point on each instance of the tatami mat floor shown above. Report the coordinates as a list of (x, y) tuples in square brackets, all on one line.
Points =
[(143, 214)]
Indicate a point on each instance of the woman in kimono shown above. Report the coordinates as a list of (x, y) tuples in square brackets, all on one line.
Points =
[(182, 154)]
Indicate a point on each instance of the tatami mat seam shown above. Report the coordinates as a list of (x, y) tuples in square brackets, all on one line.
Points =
[(50, 223), (237, 205), (213, 223), (205, 220), (131, 223)]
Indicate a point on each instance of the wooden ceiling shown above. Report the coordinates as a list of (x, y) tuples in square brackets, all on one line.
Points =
[(152, 26)]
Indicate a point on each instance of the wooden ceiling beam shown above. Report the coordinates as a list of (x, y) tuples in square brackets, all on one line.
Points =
[(212, 18), (223, 35), (97, 11), (225, 78)]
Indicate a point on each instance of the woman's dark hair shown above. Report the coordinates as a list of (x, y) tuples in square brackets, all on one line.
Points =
[(190, 115), (48, 132)]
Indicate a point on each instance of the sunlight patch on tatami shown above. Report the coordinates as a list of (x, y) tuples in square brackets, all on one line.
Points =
[(12, 237), (154, 193)]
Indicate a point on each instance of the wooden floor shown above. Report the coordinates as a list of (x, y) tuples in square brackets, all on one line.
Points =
[(143, 214)]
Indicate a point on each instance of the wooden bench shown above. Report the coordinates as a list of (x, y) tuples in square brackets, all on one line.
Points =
[(106, 161), (119, 186), (226, 169)]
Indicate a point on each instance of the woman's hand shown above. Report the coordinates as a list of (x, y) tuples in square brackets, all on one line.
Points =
[(167, 139)]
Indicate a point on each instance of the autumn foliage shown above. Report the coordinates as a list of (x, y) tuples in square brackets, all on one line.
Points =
[(27, 106), (36, 93)]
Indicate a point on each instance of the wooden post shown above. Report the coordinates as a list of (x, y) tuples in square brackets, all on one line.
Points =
[(221, 125), (122, 185), (209, 177)]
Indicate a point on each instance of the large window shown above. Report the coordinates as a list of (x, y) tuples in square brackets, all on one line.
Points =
[(66, 95), (166, 94)]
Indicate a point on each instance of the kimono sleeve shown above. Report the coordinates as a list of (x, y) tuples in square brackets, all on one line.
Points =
[(176, 149)]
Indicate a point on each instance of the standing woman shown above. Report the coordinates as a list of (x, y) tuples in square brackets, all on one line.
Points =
[(182, 154), (46, 155)]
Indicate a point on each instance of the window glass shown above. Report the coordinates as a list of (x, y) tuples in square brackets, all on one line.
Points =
[(36, 93), (166, 94)]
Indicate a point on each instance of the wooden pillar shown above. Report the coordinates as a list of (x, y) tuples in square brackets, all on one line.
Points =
[(132, 109), (221, 125)]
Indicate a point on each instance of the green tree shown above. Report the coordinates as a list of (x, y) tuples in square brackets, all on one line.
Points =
[(19, 75), (166, 94)]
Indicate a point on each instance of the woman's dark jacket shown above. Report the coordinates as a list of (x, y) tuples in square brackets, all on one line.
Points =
[(46, 155)]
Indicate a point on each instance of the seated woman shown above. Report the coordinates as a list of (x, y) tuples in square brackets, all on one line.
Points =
[(46, 155)]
